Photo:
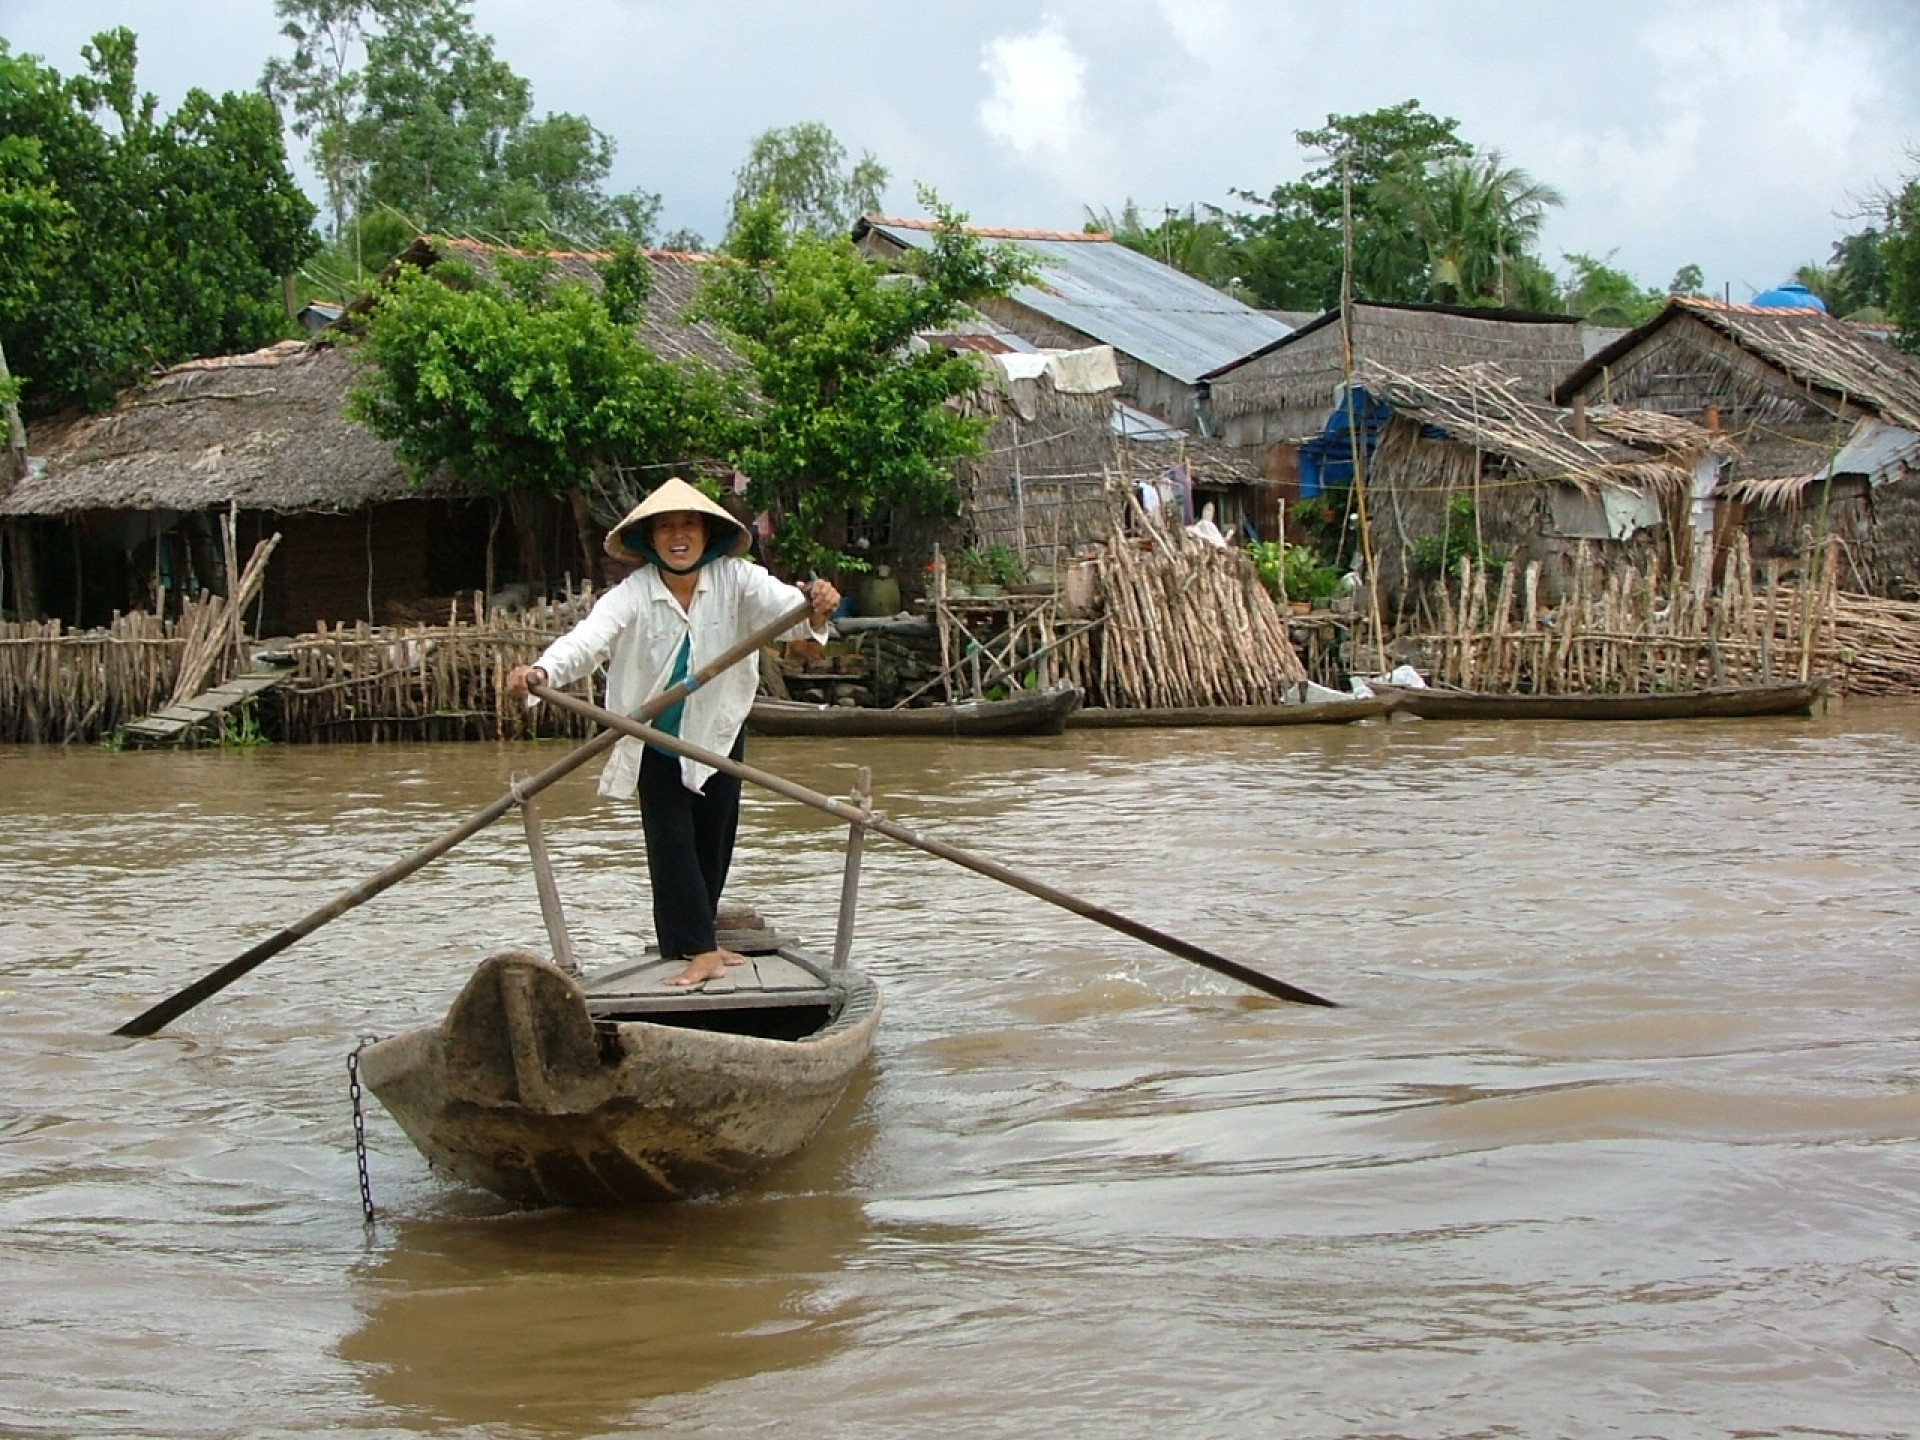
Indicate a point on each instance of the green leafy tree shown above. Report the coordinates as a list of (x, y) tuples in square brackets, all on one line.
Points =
[(1475, 215), (319, 87), (1901, 250), (803, 171), (1687, 280), (1857, 274), (851, 417), (530, 385), (1603, 295), (190, 223), (409, 112), (1291, 245)]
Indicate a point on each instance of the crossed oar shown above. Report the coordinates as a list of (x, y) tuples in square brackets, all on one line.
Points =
[(157, 1016)]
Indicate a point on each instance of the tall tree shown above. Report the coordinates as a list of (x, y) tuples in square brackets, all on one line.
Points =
[(1901, 249), (190, 224), (851, 416), (1857, 274), (533, 385), (1291, 246), (1476, 215), (410, 112), (803, 171), (319, 86)]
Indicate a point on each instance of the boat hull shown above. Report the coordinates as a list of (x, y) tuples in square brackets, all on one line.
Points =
[(522, 1091), (1731, 702), (1043, 712), (1316, 712)]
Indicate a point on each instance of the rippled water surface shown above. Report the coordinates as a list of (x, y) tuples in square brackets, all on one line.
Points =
[(1615, 1133)]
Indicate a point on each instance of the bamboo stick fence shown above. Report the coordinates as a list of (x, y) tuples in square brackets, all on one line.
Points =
[(427, 682), (1621, 630)]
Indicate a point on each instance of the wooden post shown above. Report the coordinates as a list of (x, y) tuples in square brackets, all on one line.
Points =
[(850, 876)]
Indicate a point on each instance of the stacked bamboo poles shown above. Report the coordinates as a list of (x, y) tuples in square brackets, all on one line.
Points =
[(1188, 624), (214, 633), (1621, 630)]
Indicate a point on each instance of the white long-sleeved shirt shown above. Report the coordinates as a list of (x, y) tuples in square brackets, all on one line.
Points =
[(637, 628)]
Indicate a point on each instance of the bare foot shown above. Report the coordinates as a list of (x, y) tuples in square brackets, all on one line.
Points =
[(710, 965)]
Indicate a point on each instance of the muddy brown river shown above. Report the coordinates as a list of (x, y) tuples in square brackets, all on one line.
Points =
[(1614, 1135)]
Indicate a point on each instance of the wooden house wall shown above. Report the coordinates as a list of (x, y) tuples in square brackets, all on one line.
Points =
[(369, 564)]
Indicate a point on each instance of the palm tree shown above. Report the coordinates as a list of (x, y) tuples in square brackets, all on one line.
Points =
[(1476, 215)]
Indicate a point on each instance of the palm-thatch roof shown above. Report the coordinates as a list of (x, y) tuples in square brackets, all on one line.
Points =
[(1285, 392), (1486, 409), (267, 430), (1799, 388), (263, 431), (1831, 363)]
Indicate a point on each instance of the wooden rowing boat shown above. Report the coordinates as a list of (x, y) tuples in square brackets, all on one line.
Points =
[(1312, 712), (1027, 712), (618, 1089), (1723, 703)]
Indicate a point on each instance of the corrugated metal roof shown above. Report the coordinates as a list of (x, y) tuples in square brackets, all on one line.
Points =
[(1877, 450), (1149, 311)]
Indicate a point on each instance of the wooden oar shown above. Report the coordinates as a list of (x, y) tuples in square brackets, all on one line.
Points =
[(992, 869), (176, 1005)]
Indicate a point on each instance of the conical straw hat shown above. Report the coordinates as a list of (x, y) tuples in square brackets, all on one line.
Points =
[(636, 548)]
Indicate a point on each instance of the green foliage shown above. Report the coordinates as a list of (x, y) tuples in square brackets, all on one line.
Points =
[(241, 731), (529, 385), (1475, 215), (1290, 246), (851, 417), (1858, 274), (1437, 555), (803, 171), (1202, 248), (407, 108), (1901, 249), (190, 222), (1267, 556), (1687, 280), (989, 565), (1602, 295)]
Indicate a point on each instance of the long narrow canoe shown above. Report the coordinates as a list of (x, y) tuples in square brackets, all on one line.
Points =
[(1029, 712), (1723, 703), (620, 1089), (1312, 712)]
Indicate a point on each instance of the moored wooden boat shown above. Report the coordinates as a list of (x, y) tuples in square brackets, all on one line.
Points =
[(1311, 712), (1026, 712), (1721, 703), (619, 1089)]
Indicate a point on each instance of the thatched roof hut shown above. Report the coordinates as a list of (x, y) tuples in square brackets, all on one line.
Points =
[(1827, 416), (1284, 393), (1469, 458), (124, 507)]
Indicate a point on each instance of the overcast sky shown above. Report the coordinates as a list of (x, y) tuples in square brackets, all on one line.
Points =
[(1738, 135)]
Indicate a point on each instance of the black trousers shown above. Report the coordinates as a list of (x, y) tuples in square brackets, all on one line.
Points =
[(689, 848)]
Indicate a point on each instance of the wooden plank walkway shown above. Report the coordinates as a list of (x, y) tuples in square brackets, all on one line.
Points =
[(182, 723)]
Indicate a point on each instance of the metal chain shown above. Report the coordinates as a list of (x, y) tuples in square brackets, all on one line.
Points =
[(360, 1128)]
